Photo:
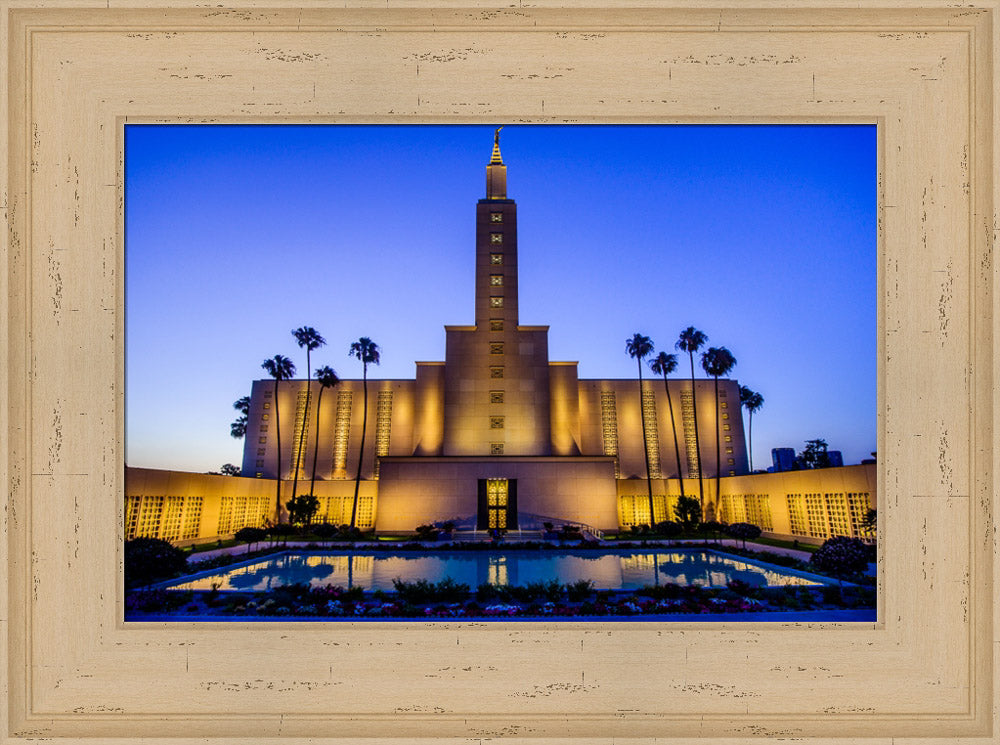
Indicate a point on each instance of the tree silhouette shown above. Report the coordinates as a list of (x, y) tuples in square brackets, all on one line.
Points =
[(309, 339), (751, 401), (638, 348), (690, 341), (664, 364), (367, 351), (717, 361), (326, 378), (238, 429), (280, 368)]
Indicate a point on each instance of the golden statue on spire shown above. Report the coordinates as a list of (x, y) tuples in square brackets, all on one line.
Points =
[(496, 171)]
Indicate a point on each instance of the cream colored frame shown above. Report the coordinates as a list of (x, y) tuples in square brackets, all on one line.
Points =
[(75, 72)]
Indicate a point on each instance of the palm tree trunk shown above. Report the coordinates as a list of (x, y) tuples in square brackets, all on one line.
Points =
[(361, 453), (302, 429), (751, 442), (312, 482), (673, 426), (645, 447), (718, 450), (277, 427), (697, 441)]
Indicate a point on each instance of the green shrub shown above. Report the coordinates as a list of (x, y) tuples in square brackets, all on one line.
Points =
[(151, 559), (688, 512), (669, 528), (250, 536), (577, 591), (742, 531), (667, 591), (422, 591), (841, 556)]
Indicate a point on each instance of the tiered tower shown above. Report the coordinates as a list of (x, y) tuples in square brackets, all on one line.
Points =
[(496, 379)]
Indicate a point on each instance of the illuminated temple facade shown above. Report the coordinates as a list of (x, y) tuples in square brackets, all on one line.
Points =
[(497, 423), (497, 435)]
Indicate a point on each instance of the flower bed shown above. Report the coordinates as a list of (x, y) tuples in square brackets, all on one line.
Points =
[(448, 599)]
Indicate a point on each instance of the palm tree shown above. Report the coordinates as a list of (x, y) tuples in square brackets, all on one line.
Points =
[(664, 364), (326, 378), (238, 429), (309, 339), (638, 348), (280, 368), (367, 351), (751, 401), (690, 341), (717, 361)]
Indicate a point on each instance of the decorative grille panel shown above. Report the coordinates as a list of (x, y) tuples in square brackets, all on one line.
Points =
[(383, 426), (609, 426), (797, 514), (341, 434), (652, 433), (816, 510), (300, 436), (690, 441)]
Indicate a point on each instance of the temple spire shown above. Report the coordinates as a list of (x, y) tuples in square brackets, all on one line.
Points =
[(496, 171), (496, 147)]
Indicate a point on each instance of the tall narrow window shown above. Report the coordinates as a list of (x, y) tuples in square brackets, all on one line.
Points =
[(652, 434), (690, 443), (609, 426), (341, 432), (383, 422), (300, 435)]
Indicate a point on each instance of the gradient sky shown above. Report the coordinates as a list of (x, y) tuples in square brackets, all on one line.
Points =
[(763, 237)]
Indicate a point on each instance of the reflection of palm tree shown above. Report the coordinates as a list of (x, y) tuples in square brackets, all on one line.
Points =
[(368, 352), (309, 339), (664, 364), (690, 341), (638, 348), (717, 361), (280, 368)]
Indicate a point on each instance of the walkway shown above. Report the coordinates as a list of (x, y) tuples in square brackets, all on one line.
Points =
[(242, 548)]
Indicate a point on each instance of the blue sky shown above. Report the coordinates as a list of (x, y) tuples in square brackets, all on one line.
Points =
[(763, 237)]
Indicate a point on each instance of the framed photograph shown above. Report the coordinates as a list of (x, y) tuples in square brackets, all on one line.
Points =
[(76, 77)]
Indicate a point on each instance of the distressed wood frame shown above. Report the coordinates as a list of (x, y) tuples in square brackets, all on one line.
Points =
[(75, 72)]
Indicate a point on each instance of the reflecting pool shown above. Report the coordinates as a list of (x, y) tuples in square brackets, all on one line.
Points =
[(624, 569)]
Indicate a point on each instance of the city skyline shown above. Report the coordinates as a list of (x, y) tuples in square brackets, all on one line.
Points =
[(763, 237)]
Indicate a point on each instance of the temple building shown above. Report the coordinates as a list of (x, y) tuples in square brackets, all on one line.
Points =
[(497, 422), (497, 435)]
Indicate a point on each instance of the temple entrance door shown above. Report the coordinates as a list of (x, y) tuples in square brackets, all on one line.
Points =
[(497, 504)]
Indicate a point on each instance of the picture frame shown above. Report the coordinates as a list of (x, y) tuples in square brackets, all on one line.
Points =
[(76, 73)]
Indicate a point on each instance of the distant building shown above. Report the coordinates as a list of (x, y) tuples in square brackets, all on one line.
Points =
[(783, 459), (836, 459)]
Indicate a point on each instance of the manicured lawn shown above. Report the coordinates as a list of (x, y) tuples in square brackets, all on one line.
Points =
[(800, 546)]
